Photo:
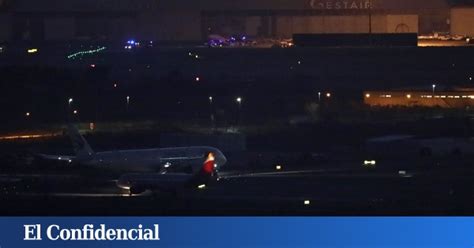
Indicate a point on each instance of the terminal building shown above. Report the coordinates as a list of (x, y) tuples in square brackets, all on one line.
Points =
[(444, 99), (184, 20)]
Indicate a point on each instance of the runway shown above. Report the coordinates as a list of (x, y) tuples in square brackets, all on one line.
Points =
[(304, 192)]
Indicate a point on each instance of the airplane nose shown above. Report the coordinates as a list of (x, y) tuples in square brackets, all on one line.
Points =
[(220, 159), (224, 159)]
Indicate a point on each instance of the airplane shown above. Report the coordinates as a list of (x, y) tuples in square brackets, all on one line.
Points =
[(137, 183), (162, 169), (216, 40)]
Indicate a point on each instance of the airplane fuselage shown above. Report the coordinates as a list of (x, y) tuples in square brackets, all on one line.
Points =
[(142, 169), (153, 160)]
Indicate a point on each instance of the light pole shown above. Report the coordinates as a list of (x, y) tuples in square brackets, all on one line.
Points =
[(239, 103), (319, 97), (69, 104), (128, 102), (211, 115), (434, 88)]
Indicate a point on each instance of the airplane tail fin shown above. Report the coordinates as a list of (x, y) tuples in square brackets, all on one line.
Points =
[(208, 165), (206, 172), (81, 148)]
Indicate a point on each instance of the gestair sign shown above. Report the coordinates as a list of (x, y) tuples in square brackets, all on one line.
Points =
[(340, 5)]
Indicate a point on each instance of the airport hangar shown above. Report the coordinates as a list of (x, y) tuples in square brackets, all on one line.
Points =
[(184, 20)]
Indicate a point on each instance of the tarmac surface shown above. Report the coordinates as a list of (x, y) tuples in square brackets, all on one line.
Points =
[(307, 192)]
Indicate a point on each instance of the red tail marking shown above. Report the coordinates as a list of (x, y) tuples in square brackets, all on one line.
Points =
[(208, 166)]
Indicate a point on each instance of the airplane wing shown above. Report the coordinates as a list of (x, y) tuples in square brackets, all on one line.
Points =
[(172, 159), (82, 149), (229, 175), (69, 159)]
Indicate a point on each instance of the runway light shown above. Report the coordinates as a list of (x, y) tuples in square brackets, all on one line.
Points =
[(88, 52), (328, 95), (33, 50), (75, 112), (27, 114), (197, 56), (115, 85), (92, 65), (239, 99), (278, 167), (202, 186), (197, 79), (28, 136), (307, 202), (370, 162)]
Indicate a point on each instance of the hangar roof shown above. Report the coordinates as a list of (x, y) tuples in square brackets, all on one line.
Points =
[(203, 5)]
